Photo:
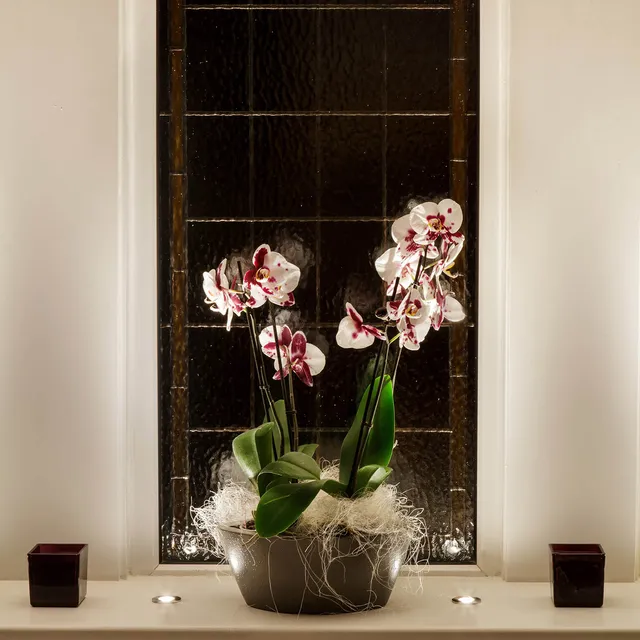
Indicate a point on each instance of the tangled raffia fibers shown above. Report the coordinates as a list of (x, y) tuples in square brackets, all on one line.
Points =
[(382, 524), (232, 504)]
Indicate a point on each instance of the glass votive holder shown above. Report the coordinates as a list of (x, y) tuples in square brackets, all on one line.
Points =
[(58, 574), (577, 575)]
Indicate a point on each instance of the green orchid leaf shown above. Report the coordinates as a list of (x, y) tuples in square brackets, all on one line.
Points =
[(308, 449), (253, 450), (350, 442), (382, 436), (334, 488), (282, 505), (295, 465), (369, 478), (266, 481), (281, 413)]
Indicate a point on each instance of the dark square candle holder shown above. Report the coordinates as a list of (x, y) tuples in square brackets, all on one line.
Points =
[(58, 574), (577, 575)]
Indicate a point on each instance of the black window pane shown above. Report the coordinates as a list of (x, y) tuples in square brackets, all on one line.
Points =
[(217, 60), (351, 160), (218, 167), (284, 60), (310, 126), (417, 160), (285, 166), (351, 61), (418, 60)]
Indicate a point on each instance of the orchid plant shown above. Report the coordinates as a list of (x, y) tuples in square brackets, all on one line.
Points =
[(418, 273)]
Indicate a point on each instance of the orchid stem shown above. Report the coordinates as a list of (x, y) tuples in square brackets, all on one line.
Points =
[(263, 383), (359, 446), (395, 368), (294, 415), (285, 396)]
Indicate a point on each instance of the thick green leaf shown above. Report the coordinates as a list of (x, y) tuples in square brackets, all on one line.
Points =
[(281, 413), (253, 450), (382, 436), (295, 465), (369, 478), (334, 488), (266, 481), (308, 449), (350, 442), (282, 505)]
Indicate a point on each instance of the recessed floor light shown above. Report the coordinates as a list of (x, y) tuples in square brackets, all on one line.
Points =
[(166, 599), (466, 600)]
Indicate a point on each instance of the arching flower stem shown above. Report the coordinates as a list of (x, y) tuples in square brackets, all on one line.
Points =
[(268, 402), (287, 396), (367, 418)]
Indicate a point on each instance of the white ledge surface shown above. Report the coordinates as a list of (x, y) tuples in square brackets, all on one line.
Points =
[(212, 607)]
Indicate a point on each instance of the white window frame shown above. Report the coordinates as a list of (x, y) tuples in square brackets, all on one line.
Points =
[(138, 277)]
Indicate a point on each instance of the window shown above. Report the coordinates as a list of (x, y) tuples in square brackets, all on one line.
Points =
[(306, 126)]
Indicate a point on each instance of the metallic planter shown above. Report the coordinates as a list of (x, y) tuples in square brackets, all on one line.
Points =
[(283, 574)]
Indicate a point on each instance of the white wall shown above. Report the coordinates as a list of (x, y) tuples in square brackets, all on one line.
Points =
[(571, 445), (59, 443), (571, 452)]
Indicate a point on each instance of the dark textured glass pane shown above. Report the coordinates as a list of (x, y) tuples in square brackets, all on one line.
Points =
[(211, 463), (421, 468), (347, 273), (164, 223), (422, 386), (284, 60), (218, 167), (351, 60), (217, 60), (162, 26), (210, 243), (417, 160), (471, 218), (351, 166), (474, 56), (164, 417), (285, 166), (219, 367), (341, 385), (308, 168), (395, 3), (286, 2), (418, 60)]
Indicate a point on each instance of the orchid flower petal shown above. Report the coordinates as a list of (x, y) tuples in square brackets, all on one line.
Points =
[(353, 314), (352, 336), (259, 255), (451, 211), (452, 309), (374, 331), (302, 370), (418, 216), (388, 265), (315, 359), (298, 345)]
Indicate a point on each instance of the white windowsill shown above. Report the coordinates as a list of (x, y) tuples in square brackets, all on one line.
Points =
[(212, 607)]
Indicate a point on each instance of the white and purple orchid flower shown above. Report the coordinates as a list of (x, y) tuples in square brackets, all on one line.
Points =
[(296, 354), (431, 221), (354, 334), (219, 296), (271, 278), (412, 315)]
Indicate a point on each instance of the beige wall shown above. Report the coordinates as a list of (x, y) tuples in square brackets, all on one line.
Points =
[(571, 445), (58, 279)]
